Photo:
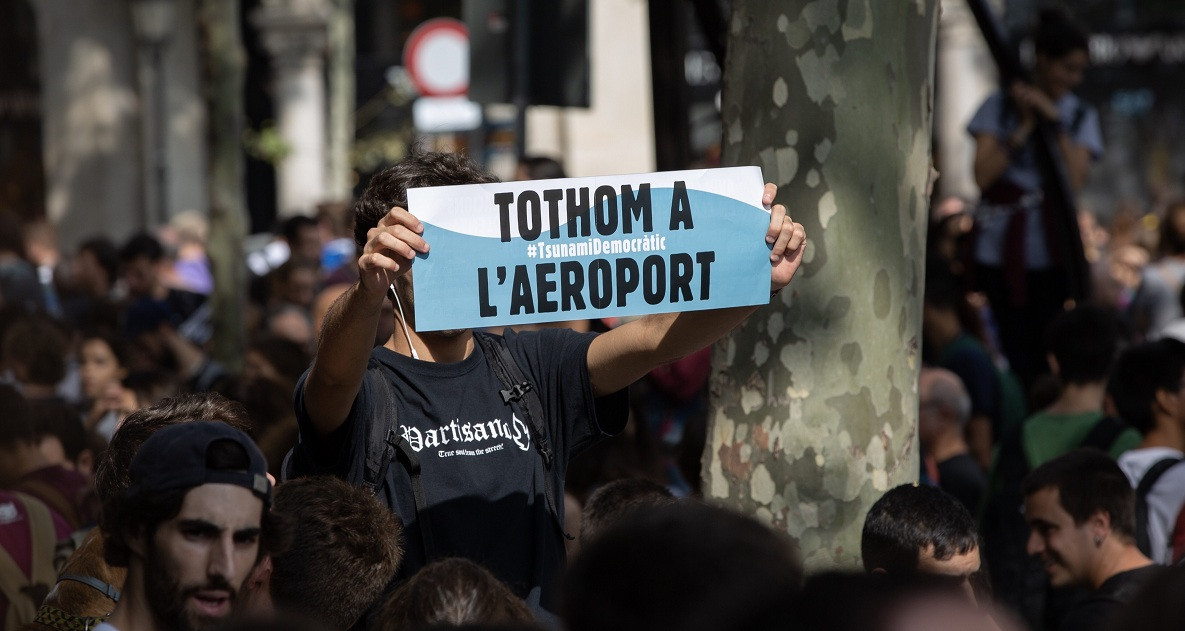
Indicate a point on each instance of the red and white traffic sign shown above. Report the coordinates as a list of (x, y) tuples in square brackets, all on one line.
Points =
[(437, 57)]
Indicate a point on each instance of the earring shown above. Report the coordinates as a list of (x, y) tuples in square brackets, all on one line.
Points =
[(1098, 541)]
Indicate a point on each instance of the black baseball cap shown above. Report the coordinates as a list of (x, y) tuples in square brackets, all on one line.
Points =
[(175, 457)]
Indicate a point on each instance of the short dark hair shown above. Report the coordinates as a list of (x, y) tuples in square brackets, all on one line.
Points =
[(105, 253), (420, 168), (614, 500), (289, 358), (291, 227), (118, 346), (1057, 34), (686, 566), (542, 167), (1087, 481), (55, 417), (909, 519), (346, 547), (1084, 341), (1139, 373), (111, 473), (17, 426), (131, 513), (40, 345), (141, 245), (452, 591)]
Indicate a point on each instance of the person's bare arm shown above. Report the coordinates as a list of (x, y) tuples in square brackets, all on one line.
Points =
[(347, 337), (1077, 160), (992, 158), (622, 356)]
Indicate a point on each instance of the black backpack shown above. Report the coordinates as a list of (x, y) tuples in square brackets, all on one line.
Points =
[(384, 444), (1142, 489)]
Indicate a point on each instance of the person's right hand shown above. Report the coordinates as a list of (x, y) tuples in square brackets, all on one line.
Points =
[(391, 248), (118, 399), (1031, 100)]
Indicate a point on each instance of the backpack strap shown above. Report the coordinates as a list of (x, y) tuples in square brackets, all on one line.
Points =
[(382, 437), (1104, 433), (24, 593), (43, 541), (516, 387), (53, 498), (1142, 489), (384, 444), (106, 589)]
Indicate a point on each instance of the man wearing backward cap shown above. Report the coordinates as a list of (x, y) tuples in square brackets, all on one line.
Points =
[(190, 528)]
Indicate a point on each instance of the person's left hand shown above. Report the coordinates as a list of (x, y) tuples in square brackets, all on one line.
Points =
[(788, 241)]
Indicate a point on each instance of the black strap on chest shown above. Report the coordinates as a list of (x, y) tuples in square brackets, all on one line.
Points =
[(516, 388), (384, 444), (1143, 542)]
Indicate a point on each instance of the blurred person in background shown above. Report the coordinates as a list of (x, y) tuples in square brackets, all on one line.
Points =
[(103, 368), (24, 468), (1019, 261), (34, 351), (944, 410), (62, 439), (19, 285), (89, 294), (1160, 290)]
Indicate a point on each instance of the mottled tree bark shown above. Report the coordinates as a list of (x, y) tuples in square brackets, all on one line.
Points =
[(224, 70), (814, 399)]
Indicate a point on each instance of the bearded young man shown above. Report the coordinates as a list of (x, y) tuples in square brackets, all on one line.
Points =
[(191, 528)]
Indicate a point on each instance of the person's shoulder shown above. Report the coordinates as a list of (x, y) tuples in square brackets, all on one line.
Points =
[(987, 116), (1121, 587), (549, 339)]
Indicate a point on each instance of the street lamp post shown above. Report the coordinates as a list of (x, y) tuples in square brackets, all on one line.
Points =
[(152, 21)]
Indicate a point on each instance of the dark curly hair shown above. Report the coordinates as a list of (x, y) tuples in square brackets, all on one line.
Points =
[(421, 168), (344, 552), (1057, 34), (111, 474)]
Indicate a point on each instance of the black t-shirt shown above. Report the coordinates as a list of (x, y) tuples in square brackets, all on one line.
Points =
[(962, 477), (483, 479), (1097, 608)]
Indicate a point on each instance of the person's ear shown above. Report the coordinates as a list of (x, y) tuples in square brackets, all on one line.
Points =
[(1053, 365), (1166, 401), (1100, 526)]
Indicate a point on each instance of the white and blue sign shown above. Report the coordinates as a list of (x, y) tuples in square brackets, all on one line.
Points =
[(576, 248)]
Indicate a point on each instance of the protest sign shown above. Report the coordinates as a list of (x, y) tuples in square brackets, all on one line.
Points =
[(575, 248)]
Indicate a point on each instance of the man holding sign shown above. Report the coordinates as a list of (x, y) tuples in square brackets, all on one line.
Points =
[(469, 474)]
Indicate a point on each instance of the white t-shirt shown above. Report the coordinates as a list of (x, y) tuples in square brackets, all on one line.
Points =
[(1164, 500), (103, 626)]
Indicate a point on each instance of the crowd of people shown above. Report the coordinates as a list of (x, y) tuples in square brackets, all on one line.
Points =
[(351, 472)]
